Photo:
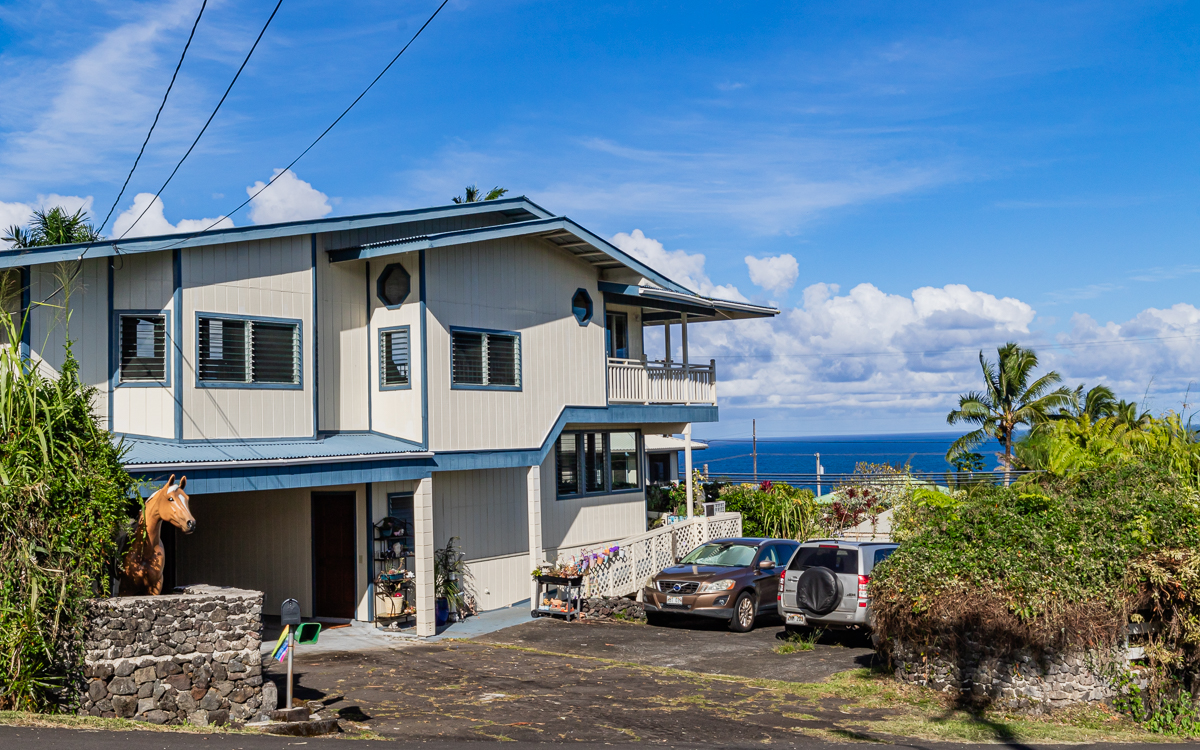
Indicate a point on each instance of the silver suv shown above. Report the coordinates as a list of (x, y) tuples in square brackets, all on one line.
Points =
[(826, 583)]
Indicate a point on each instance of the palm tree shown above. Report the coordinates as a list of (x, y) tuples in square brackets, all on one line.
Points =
[(1009, 401), (53, 227), (472, 194), (1126, 413), (1097, 403)]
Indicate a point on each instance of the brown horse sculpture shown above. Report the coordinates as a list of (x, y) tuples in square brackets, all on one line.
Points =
[(143, 572)]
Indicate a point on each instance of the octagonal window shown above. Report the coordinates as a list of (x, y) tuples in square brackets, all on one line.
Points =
[(581, 306), (394, 285)]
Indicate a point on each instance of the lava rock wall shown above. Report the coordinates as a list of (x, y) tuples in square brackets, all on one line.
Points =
[(187, 657)]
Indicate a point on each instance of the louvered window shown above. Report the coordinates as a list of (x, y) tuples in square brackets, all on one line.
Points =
[(485, 359), (393, 357), (260, 352), (143, 348)]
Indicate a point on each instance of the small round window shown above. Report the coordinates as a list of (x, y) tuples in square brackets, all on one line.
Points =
[(581, 306), (394, 285)]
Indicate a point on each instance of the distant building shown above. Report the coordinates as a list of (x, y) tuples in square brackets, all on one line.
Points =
[(476, 371), (662, 457)]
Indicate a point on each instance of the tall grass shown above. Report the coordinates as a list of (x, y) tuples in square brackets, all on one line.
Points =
[(63, 496)]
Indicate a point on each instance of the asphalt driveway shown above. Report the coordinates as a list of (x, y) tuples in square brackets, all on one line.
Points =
[(694, 645)]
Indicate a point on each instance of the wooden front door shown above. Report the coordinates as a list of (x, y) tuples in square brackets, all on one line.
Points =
[(334, 555)]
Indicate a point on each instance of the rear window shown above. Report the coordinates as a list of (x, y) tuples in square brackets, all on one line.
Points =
[(836, 559), (881, 555)]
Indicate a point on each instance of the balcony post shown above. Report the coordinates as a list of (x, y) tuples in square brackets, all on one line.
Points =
[(667, 342), (712, 381), (687, 376)]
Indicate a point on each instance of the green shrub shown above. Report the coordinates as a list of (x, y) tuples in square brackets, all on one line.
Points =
[(1052, 561), (63, 497), (774, 510)]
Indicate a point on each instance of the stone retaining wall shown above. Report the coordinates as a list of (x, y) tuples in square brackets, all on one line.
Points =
[(189, 657), (1021, 680), (612, 607)]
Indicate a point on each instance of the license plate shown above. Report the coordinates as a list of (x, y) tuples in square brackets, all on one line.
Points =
[(792, 619), (674, 601)]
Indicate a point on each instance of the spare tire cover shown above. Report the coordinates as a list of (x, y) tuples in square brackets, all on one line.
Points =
[(818, 591)]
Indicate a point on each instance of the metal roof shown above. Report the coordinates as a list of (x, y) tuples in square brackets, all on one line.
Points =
[(557, 230), (515, 209), (147, 453), (673, 302)]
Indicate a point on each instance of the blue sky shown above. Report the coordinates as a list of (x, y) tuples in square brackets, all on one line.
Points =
[(1044, 154)]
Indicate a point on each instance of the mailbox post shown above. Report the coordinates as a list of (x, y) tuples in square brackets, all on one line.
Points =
[(289, 615)]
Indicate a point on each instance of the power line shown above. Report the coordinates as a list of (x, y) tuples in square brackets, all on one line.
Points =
[(325, 132), (157, 114), (141, 151), (207, 122)]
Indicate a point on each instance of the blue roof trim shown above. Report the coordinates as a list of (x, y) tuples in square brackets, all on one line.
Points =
[(254, 478), (514, 229), (57, 253), (143, 451), (202, 480)]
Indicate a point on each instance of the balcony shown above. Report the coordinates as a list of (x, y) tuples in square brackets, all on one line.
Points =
[(632, 381)]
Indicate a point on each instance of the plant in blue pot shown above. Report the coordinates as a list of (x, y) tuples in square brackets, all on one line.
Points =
[(449, 581)]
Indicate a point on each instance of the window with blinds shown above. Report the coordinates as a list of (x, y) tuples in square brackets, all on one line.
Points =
[(253, 352), (143, 348), (393, 357), (484, 359)]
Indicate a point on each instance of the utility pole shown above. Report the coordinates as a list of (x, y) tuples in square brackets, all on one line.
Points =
[(820, 471), (754, 446)]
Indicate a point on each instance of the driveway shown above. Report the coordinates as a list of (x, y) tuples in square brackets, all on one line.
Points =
[(697, 646)]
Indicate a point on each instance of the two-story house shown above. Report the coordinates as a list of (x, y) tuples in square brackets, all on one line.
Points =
[(477, 370)]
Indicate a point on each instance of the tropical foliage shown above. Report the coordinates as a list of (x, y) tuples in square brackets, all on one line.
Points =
[(774, 510), (63, 497), (472, 194), (52, 227), (1012, 397), (1109, 532)]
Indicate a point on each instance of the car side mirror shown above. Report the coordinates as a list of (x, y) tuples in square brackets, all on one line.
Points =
[(766, 565), (677, 559)]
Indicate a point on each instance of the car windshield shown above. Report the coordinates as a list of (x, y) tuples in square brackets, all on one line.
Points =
[(727, 555)]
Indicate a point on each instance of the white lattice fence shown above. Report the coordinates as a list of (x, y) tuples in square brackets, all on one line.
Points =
[(644, 555)]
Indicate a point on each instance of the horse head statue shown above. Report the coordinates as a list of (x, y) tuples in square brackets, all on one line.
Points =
[(143, 569)]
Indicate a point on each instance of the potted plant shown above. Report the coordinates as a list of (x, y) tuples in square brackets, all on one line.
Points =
[(449, 577)]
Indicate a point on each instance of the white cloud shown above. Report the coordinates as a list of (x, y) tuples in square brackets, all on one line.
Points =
[(776, 274), (677, 265), (155, 221), (288, 199)]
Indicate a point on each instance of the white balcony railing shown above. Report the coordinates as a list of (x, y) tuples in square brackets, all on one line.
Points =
[(632, 381)]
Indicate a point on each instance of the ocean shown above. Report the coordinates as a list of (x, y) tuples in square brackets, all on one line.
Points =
[(793, 460)]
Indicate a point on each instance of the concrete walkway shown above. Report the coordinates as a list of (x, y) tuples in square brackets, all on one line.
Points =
[(365, 636)]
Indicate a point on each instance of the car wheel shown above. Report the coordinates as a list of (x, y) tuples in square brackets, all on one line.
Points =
[(657, 619), (743, 613)]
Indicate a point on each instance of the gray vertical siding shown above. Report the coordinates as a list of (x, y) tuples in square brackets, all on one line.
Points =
[(343, 349), (88, 323), (518, 284), (396, 412), (269, 278), (144, 282)]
